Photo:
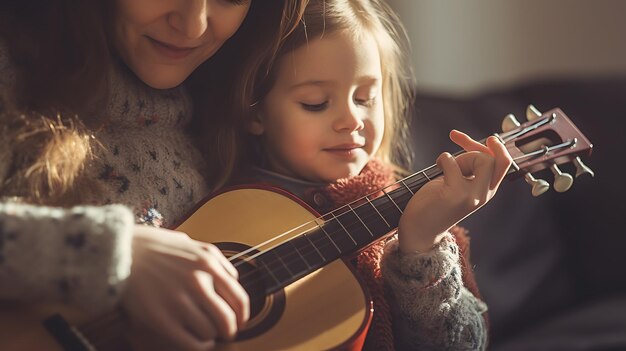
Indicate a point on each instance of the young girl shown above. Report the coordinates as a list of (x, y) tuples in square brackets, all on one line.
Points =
[(326, 126), (94, 117)]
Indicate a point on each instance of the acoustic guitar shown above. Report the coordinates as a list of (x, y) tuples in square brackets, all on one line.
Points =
[(294, 262)]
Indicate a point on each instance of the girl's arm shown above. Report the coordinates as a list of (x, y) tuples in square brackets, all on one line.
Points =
[(422, 268), (431, 307)]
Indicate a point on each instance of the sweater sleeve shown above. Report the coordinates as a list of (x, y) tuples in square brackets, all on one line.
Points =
[(79, 256), (432, 309)]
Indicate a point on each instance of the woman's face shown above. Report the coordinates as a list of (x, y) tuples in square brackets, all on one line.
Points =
[(163, 41)]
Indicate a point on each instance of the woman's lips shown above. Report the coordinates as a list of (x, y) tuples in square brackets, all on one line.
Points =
[(170, 51)]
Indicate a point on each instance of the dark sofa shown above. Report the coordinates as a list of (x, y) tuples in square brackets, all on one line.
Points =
[(553, 268)]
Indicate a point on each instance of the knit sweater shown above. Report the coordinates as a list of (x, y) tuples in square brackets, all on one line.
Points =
[(146, 167), (424, 300)]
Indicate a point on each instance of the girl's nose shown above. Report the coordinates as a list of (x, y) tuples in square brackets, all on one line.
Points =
[(349, 120), (190, 18)]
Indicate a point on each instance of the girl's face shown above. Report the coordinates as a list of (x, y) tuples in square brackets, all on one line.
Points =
[(323, 119), (163, 41)]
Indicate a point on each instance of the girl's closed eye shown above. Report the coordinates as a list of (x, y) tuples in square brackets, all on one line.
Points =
[(369, 102), (314, 107)]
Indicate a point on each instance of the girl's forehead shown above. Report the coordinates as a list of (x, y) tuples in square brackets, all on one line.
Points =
[(332, 58)]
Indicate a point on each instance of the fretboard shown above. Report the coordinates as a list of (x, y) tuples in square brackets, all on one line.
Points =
[(340, 233)]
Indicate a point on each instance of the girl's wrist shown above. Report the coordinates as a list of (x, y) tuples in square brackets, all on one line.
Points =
[(419, 243)]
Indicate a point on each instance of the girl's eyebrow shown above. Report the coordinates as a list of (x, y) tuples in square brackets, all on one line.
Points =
[(318, 83)]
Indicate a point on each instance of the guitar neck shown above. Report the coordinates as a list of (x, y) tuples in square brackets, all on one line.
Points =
[(340, 233)]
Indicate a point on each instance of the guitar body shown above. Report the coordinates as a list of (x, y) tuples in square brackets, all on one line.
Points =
[(21, 325), (328, 309)]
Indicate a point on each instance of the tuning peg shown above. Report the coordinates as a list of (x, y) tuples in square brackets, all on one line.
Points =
[(509, 123), (581, 168), (532, 113), (540, 186), (562, 181)]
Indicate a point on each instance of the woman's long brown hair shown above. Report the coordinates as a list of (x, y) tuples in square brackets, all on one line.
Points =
[(61, 53)]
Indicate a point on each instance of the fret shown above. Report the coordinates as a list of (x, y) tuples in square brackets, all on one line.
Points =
[(407, 188), (310, 253), (376, 209), (344, 228), (277, 254), (273, 261), (394, 203), (266, 269), (359, 217), (321, 238), (328, 236), (292, 242), (339, 228), (426, 175), (295, 264)]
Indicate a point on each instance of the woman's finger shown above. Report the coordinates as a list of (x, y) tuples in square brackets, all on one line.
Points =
[(196, 320), (216, 307), (228, 287), (223, 260)]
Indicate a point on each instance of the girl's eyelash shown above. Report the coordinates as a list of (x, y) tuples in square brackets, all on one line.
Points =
[(314, 107), (367, 103), (237, 2)]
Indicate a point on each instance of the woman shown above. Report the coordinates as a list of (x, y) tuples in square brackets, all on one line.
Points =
[(94, 121)]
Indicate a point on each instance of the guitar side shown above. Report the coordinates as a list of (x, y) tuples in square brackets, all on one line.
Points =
[(328, 309)]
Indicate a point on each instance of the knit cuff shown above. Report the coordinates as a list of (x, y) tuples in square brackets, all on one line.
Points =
[(79, 256), (423, 281)]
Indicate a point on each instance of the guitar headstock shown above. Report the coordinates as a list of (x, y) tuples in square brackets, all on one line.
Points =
[(545, 141)]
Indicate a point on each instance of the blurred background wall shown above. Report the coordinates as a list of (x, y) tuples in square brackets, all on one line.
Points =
[(463, 46)]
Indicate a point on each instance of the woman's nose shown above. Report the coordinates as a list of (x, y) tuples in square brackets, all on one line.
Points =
[(190, 18)]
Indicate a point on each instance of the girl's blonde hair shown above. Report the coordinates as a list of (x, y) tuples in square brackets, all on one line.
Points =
[(358, 17), (61, 51)]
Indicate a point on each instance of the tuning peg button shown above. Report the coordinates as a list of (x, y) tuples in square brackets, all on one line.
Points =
[(581, 168), (532, 113), (509, 123), (540, 186), (562, 181)]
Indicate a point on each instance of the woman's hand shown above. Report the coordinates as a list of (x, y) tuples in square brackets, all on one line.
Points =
[(183, 291), (469, 181)]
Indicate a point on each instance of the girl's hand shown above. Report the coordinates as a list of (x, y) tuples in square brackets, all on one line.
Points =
[(469, 181), (183, 291)]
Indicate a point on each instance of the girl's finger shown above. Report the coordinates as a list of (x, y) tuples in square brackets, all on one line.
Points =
[(451, 171), (481, 166), (503, 161), (467, 143)]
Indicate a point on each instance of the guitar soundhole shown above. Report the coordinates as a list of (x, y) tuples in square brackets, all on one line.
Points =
[(265, 310)]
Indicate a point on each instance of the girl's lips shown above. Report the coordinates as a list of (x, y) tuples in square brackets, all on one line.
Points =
[(347, 151), (170, 51)]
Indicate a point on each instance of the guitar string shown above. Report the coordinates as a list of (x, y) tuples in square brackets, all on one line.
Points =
[(300, 256), (411, 184), (315, 222), (251, 249)]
